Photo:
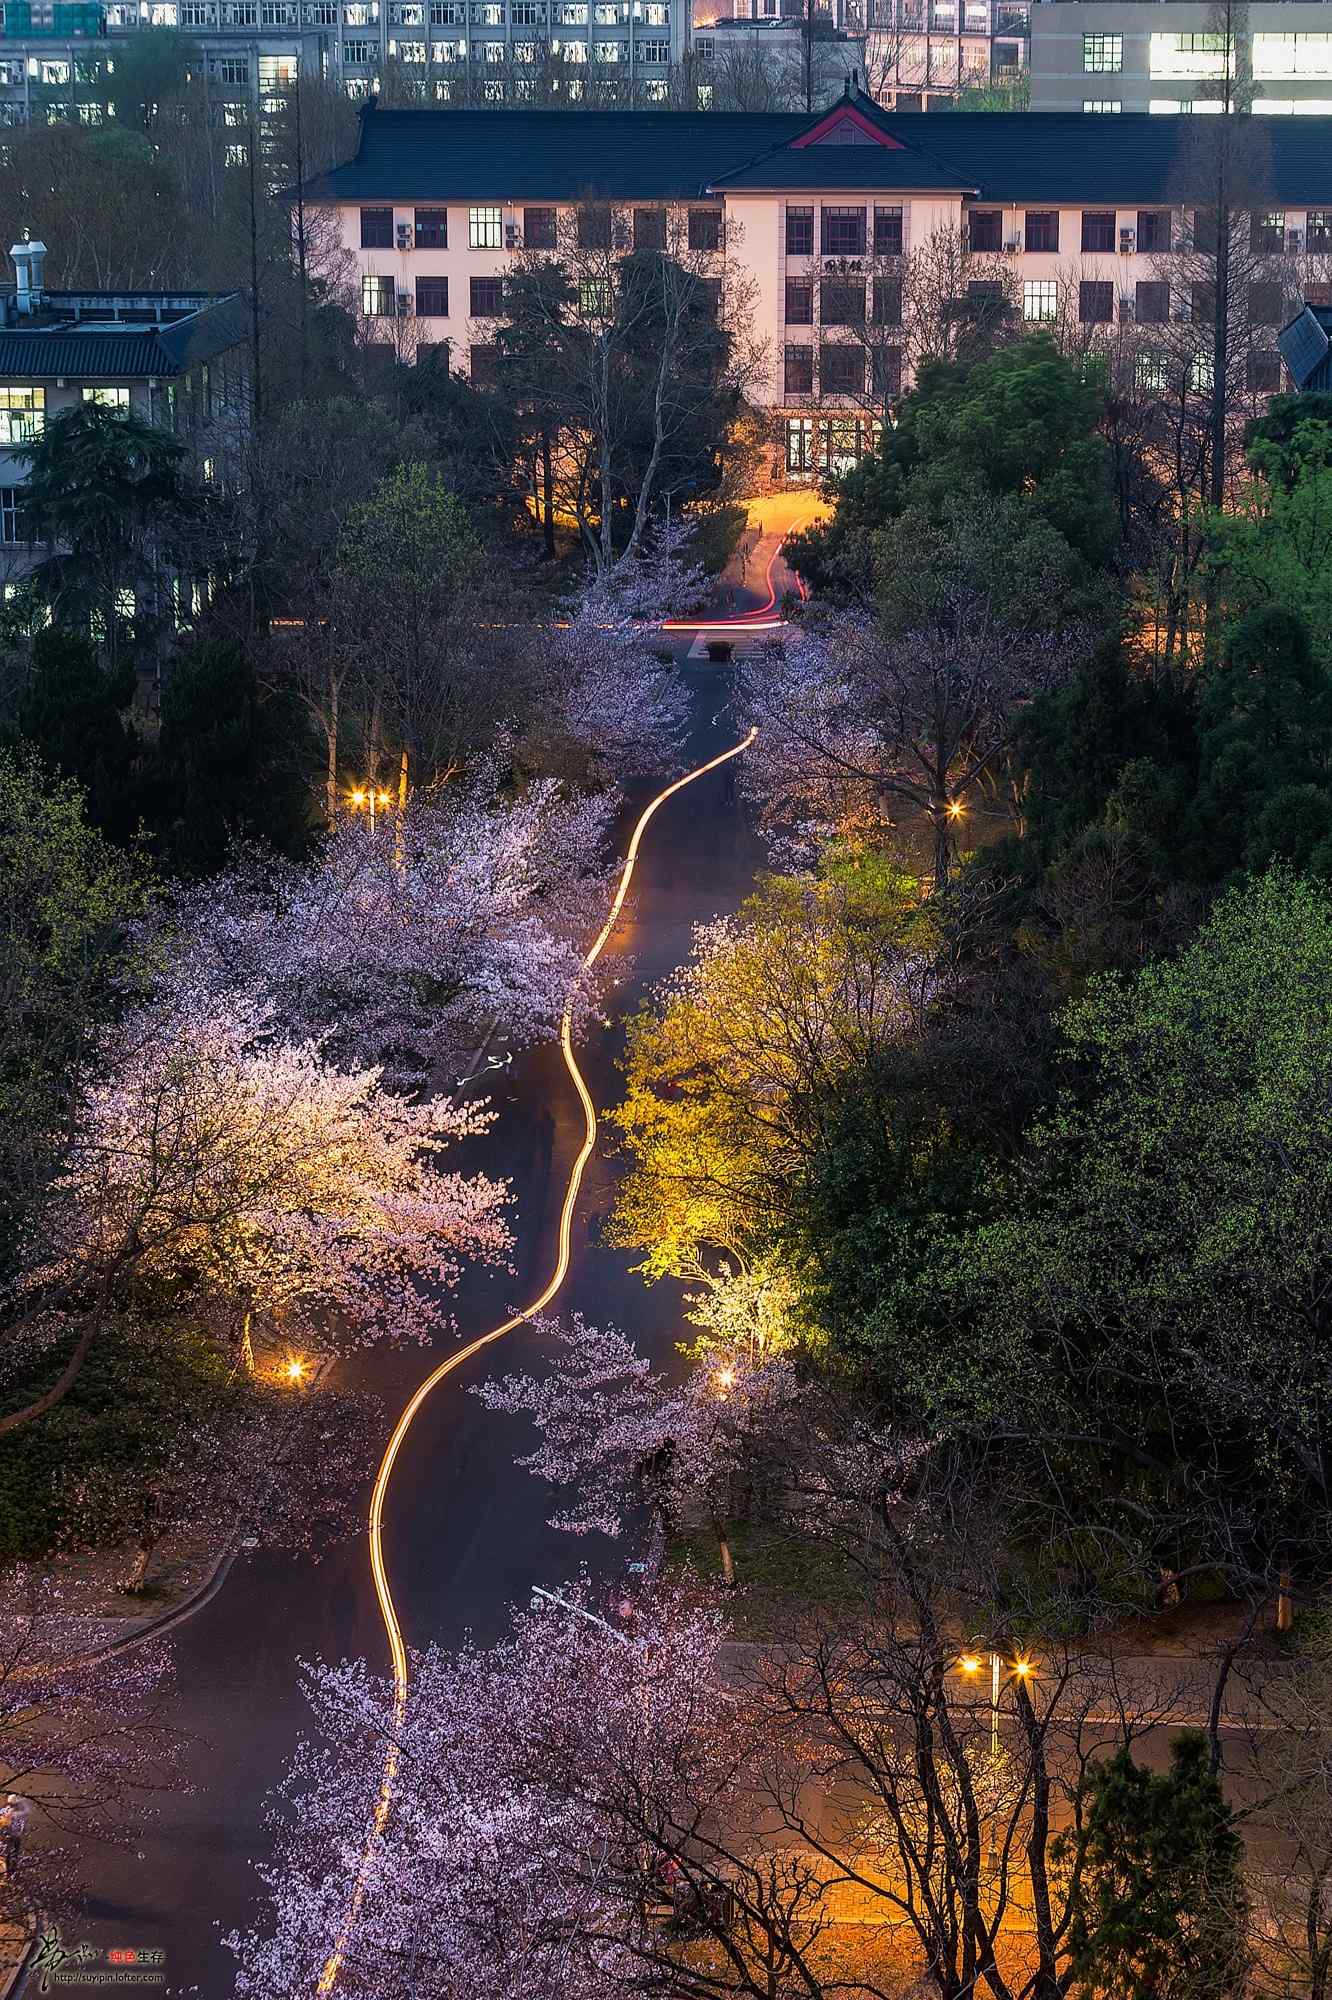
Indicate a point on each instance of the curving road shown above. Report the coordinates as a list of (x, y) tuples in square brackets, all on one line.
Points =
[(463, 1533)]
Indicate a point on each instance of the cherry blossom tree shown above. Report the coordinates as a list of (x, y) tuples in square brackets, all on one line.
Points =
[(570, 1820), (406, 943), (620, 1434), (82, 1737), (911, 711), (212, 1159)]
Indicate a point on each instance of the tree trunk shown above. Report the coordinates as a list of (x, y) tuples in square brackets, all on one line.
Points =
[(547, 495), (331, 778)]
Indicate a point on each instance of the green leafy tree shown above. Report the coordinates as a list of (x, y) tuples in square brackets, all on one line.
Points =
[(1161, 1906), (68, 902), (1154, 1290), (72, 711), (1020, 422), (107, 494), (234, 761)]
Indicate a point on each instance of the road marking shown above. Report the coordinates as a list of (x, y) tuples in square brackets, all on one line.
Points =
[(378, 1569)]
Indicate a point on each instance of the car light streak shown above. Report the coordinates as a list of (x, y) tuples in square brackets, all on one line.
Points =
[(763, 618), (379, 1572)]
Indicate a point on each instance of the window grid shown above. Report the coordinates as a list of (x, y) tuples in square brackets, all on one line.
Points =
[(1040, 299), (485, 228)]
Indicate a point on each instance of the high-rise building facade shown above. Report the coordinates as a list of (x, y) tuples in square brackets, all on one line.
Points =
[(1138, 55)]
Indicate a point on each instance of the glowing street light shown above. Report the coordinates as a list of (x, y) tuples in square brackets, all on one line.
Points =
[(955, 808), (725, 1380), (367, 796), (296, 1370)]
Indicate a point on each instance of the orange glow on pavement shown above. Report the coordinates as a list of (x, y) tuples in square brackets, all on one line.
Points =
[(383, 1590)]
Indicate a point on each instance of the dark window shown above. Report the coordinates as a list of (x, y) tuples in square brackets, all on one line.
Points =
[(842, 370), (432, 229), (1319, 237), (710, 296), (487, 298), (485, 366), (594, 229), (1098, 229), (432, 298), (1267, 231), (1153, 229), (887, 302), (799, 232), (539, 231), (1264, 373), (887, 232), (376, 229), (886, 372), (843, 232), (986, 229), (1096, 302), (842, 301), (1151, 302), (1204, 305), (649, 229), (984, 292), (799, 379), (1204, 231), (1042, 229), (800, 301), (1265, 305), (705, 229)]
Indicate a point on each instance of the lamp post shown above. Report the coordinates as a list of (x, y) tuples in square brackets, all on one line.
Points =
[(366, 796), (970, 1663)]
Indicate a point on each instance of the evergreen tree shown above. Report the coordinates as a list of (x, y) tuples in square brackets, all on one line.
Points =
[(72, 713), (1160, 1904)]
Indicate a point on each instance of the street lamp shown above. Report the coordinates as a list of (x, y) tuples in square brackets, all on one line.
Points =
[(296, 1370), (366, 796), (725, 1380)]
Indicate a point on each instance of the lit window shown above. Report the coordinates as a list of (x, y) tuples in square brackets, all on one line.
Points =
[(799, 444), (1191, 55), (594, 298), (378, 298), (1102, 104), (1152, 372), (22, 414), (485, 228), (607, 52), (106, 398), (1102, 54), (1040, 299)]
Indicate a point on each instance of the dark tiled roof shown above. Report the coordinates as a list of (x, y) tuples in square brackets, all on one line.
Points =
[(129, 353), (1025, 156), (523, 155)]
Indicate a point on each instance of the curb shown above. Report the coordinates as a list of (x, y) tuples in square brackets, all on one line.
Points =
[(11, 1976)]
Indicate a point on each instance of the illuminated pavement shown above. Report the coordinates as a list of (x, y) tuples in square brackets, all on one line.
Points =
[(464, 1534)]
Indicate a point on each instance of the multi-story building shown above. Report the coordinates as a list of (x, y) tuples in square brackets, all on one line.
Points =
[(806, 211), (921, 53), (179, 359), (759, 61), (468, 51), (1098, 55)]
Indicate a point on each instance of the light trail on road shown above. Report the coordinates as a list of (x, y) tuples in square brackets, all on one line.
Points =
[(379, 1571)]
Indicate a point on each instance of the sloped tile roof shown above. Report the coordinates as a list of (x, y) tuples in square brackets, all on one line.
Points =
[(129, 353), (1035, 157)]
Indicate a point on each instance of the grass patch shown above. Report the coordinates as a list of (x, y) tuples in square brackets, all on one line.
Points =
[(779, 1577), (76, 1477)]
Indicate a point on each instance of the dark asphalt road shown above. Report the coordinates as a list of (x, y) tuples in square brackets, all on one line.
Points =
[(465, 1532)]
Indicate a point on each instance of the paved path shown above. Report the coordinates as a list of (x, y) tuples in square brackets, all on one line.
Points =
[(465, 1534)]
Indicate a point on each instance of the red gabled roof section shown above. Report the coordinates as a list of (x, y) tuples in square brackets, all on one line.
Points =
[(844, 113)]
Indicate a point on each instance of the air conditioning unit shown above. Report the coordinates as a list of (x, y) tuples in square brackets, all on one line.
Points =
[(1128, 241), (405, 302), (511, 237), (1012, 245), (404, 236)]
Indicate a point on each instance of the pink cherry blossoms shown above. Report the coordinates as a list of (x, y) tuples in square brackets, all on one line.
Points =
[(242, 1169), (621, 1435), (404, 946), (543, 1786)]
